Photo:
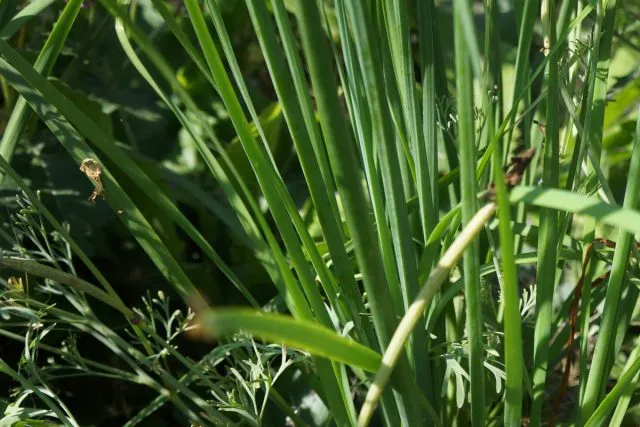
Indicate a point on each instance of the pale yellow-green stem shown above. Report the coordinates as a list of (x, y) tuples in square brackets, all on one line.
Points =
[(416, 309)]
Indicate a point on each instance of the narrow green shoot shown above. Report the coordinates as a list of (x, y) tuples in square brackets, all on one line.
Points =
[(471, 261), (604, 344)]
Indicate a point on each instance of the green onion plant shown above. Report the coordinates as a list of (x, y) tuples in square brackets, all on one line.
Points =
[(417, 135)]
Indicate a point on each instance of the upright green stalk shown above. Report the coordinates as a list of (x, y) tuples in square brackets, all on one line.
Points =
[(471, 261), (615, 287), (368, 55), (527, 19), (431, 89), (601, 74), (275, 189), (344, 163), (272, 187), (427, 27), (525, 35), (328, 218), (345, 166), (626, 384), (623, 404), (361, 122), (511, 297), (297, 70), (547, 239), (511, 319), (397, 25), (368, 49)]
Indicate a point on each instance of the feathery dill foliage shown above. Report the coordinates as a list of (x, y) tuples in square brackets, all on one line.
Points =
[(280, 193)]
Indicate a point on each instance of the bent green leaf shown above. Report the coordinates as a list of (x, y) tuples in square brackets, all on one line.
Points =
[(288, 331), (624, 218)]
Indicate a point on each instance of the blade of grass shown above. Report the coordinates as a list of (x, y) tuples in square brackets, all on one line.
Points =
[(367, 54), (209, 251), (80, 151), (270, 180), (269, 254), (600, 414), (295, 333), (273, 185), (627, 393), (179, 33), (302, 90), (352, 84), (624, 218), (510, 287), (393, 105), (345, 168), (604, 344), (397, 25), (40, 270), (471, 264), (94, 133), (586, 304), (291, 290), (547, 240), (526, 20), (275, 194), (25, 15), (44, 64), (433, 87), (329, 221), (513, 358), (428, 43)]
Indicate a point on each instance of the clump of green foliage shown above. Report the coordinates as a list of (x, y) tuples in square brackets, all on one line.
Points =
[(326, 165)]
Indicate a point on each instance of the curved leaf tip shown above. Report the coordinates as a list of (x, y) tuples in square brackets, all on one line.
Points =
[(286, 330)]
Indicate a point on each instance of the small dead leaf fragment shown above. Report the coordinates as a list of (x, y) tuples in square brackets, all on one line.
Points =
[(92, 169), (519, 163), (514, 171)]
